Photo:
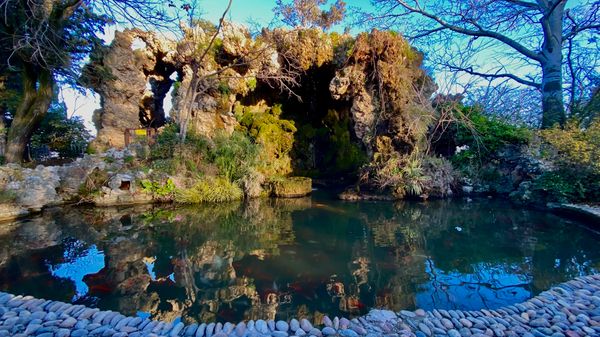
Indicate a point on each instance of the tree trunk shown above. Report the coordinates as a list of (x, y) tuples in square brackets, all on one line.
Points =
[(552, 96), (552, 82), (2, 133), (38, 89)]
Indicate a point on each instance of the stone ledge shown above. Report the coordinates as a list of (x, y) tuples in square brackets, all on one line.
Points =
[(585, 212), (571, 309)]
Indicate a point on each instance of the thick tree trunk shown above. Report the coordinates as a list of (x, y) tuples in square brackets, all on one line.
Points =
[(2, 133), (38, 86), (552, 82), (552, 96)]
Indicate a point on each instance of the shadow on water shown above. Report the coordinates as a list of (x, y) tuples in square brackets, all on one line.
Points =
[(299, 257)]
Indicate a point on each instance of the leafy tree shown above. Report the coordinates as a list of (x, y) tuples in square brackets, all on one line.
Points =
[(67, 136), (511, 34), (308, 13), (46, 42)]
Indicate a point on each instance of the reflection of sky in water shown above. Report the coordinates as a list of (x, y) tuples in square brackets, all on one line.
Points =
[(489, 286), (76, 267), (149, 262)]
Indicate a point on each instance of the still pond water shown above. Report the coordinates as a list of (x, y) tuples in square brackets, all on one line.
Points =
[(303, 257)]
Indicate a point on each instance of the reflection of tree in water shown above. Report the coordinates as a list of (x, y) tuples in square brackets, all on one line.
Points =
[(485, 242), (262, 259), (199, 247)]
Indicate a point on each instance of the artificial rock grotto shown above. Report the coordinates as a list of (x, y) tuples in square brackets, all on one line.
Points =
[(343, 96)]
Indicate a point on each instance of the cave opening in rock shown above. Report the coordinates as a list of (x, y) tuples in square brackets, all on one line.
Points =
[(325, 145), (154, 108)]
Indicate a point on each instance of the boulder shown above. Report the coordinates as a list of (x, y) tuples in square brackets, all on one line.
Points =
[(293, 187)]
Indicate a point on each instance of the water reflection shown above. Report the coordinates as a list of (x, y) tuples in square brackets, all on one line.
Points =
[(302, 257)]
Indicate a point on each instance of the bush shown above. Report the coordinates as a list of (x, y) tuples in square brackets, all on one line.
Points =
[(480, 137), (402, 174), (68, 137), (575, 153), (273, 134), (169, 155), (158, 189), (209, 190), (235, 156), (574, 147)]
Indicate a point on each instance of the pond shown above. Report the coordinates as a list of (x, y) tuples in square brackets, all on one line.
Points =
[(278, 259)]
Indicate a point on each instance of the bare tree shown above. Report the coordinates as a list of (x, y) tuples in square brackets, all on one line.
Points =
[(512, 36)]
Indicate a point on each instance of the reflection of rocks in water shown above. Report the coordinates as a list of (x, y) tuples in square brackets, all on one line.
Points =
[(277, 259)]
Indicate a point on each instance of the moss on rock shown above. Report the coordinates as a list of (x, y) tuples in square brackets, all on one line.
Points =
[(293, 187)]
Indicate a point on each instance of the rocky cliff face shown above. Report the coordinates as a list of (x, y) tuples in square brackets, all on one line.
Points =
[(342, 95), (376, 74), (132, 77)]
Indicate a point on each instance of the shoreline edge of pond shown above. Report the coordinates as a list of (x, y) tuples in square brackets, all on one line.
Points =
[(570, 309)]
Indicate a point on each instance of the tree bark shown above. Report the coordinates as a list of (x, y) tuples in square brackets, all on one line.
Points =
[(38, 89), (552, 81), (552, 95), (2, 133)]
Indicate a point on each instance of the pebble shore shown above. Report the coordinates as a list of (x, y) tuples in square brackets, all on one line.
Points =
[(571, 309)]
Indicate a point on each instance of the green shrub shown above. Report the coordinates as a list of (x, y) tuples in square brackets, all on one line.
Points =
[(233, 155), (403, 175), (482, 137), (557, 187), (575, 152), (490, 133), (169, 155), (209, 190), (59, 133), (574, 147), (273, 134), (156, 188)]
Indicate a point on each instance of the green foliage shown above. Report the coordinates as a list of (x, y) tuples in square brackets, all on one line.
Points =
[(574, 147), (274, 135), (157, 188), (403, 175), (224, 88), (344, 155), (483, 136), (233, 155), (562, 186), (171, 156), (57, 132), (489, 133), (291, 187), (575, 151), (209, 190), (251, 83)]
